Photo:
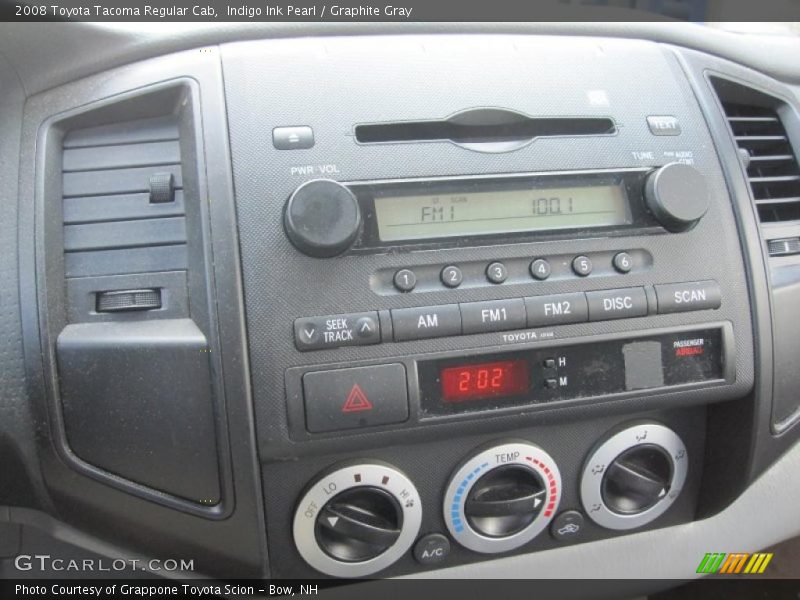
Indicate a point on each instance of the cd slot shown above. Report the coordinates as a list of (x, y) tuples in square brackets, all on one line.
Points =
[(490, 130)]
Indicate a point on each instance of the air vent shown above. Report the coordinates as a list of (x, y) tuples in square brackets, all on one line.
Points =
[(772, 168), (111, 175)]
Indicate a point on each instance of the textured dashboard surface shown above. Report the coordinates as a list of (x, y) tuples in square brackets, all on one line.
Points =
[(66, 52), (404, 78)]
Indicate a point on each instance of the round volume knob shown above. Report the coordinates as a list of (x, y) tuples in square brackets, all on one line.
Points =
[(677, 195), (322, 218), (357, 520)]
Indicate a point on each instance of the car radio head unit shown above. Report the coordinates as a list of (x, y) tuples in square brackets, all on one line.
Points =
[(325, 218)]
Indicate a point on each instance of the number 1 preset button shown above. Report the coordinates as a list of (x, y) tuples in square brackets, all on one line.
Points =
[(558, 309)]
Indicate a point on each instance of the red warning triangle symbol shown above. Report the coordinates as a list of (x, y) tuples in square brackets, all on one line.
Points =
[(356, 401)]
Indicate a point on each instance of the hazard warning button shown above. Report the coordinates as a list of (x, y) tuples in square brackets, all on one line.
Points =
[(357, 397)]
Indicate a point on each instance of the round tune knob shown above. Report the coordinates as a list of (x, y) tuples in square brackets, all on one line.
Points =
[(634, 476), (357, 520), (322, 218), (637, 479), (677, 196), (502, 497), (505, 501)]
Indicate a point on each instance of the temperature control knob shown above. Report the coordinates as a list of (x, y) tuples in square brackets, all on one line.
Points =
[(357, 520), (505, 501), (502, 497), (322, 218), (634, 476), (677, 196)]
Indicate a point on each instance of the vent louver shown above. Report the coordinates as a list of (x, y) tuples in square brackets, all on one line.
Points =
[(111, 226), (772, 168)]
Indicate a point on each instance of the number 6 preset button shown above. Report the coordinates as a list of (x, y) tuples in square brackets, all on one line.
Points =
[(558, 309)]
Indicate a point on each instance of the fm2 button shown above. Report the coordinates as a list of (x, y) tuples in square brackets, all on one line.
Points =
[(333, 331)]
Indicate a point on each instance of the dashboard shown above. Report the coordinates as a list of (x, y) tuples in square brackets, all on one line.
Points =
[(397, 302)]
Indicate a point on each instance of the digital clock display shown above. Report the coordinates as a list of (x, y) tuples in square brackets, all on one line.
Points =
[(501, 210), (485, 380)]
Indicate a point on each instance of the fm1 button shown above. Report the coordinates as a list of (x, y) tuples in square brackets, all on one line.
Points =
[(357, 397), (494, 315), (333, 331), (431, 549), (617, 304), (567, 526)]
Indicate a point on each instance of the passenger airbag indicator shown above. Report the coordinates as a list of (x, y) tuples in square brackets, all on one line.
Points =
[(485, 380)]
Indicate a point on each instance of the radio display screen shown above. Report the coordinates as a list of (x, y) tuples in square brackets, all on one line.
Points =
[(413, 217)]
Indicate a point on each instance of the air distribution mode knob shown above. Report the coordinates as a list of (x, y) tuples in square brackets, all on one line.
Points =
[(357, 520), (677, 196), (634, 476), (322, 218), (637, 479), (502, 497)]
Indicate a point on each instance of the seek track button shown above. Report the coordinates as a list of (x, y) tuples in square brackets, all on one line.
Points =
[(332, 331)]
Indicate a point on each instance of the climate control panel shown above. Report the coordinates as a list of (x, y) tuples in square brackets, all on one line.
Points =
[(362, 516)]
